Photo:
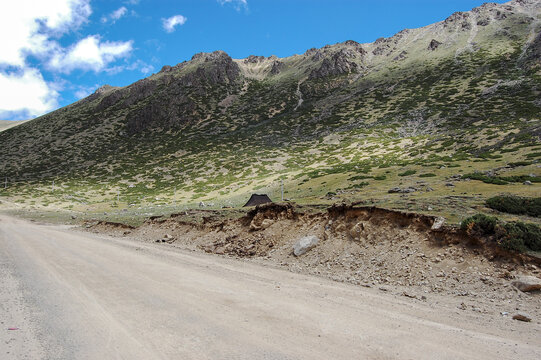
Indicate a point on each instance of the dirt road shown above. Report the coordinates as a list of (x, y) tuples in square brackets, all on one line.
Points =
[(81, 296)]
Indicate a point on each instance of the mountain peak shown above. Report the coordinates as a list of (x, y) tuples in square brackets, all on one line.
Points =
[(211, 56)]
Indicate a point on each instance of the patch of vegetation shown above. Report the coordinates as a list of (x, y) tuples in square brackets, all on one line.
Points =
[(407, 173), (515, 236), (480, 223), (427, 175), (501, 180), (516, 205), (519, 163)]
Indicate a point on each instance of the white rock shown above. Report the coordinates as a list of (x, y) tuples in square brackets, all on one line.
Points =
[(303, 245), (438, 223)]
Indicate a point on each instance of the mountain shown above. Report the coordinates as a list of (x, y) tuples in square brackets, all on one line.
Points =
[(463, 93)]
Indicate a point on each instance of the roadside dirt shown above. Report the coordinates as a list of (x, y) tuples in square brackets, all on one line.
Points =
[(371, 247)]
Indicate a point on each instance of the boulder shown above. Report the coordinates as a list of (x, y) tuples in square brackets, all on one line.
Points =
[(302, 246), (527, 283)]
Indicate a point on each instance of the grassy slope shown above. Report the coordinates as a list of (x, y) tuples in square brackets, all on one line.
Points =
[(467, 106)]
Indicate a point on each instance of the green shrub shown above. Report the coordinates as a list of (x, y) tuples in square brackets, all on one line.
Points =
[(359, 177), (533, 155), (486, 179), (520, 236), (502, 180), (516, 236), (480, 223), (515, 205), (407, 173), (427, 175), (519, 163), (380, 177), (359, 185)]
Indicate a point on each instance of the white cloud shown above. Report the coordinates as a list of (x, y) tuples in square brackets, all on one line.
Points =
[(30, 33), (26, 26), (142, 66), (25, 94), (115, 15), (30, 27), (169, 24), (237, 3), (90, 53)]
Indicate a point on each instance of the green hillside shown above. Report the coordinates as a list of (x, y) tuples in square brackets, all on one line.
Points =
[(347, 121)]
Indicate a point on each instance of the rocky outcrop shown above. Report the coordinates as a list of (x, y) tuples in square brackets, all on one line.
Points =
[(103, 89), (160, 115), (139, 90), (434, 44), (109, 100), (341, 62), (174, 105), (252, 59), (216, 68), (100, 92), (460, 20), (277, 66), (355, 46), (168, 68)]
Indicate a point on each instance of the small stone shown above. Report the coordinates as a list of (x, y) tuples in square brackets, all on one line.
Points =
[(522, 317), (528, 182), (409, 295)]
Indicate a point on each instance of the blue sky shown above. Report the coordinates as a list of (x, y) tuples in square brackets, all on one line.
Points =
[(58, 51)]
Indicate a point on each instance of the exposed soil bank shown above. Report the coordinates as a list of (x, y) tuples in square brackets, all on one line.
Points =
[(361, 245)]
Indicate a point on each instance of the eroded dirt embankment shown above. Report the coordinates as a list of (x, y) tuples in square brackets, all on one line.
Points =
[(361, 245)]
